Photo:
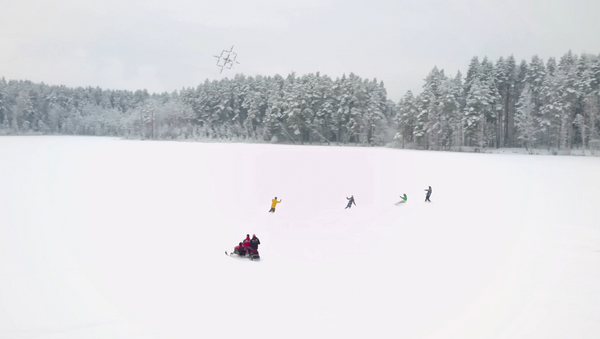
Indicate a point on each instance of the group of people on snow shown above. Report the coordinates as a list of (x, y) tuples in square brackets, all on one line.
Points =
[(249, 245), (351, 200), (403, 197)]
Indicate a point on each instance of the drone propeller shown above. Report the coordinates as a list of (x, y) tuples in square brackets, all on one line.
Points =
[(228, 58)]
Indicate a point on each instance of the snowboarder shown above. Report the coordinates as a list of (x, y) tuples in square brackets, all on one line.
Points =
[(274, 203), (350, 202), (254, 242), (404, 198), (428, 194)]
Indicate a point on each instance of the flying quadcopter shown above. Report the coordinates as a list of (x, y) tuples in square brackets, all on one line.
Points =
[(226, 59)]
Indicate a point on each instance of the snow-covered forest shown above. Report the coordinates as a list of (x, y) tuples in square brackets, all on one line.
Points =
[(311, 108), (552, 104)]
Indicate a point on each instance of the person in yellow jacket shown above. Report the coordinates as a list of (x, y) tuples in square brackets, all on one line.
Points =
[(274, 203)]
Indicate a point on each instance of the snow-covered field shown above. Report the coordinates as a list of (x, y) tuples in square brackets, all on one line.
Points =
[(104, 238)]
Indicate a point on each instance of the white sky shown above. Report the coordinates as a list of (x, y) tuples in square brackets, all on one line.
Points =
[(169, 44)]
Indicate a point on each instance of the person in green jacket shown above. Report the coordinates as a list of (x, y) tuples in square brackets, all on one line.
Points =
[(404, 198)]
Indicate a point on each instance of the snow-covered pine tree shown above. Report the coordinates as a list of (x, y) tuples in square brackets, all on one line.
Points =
[(357, 104), (472, 73), (501, 75), (23, 112), (253, 102), (476, 107), (457, 120), (242, 95), (551, 66), (323, 122), (592, 107), (596, 73), (425, 104), (493, 116), (311, 102), (518, 82), (551, 108), (428, 119), (292, 111), (567, 61), (340, 110), (486, 71), (585, 82), (204, 102), (525, 118), (406, 118), (450, 105), (558, 109), (274, 110), (510, 100), (384, 131), (374, 117), (581, 125), (570, 98), (3, 107), (535, 75)]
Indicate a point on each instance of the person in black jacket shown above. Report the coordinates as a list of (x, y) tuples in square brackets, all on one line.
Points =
[(254, 242), (428, 194), (350, 202)]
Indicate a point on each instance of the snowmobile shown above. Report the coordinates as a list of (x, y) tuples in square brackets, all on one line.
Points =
[(250, 254)]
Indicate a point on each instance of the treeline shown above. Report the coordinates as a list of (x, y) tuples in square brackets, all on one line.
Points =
[(554, 105), (311, 108)]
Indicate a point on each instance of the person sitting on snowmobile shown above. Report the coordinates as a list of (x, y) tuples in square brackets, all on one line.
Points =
[(239, 250), (350, 202), (246, 241), (254, 242)]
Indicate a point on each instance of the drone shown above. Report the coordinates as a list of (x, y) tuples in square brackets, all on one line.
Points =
[(226, 59)]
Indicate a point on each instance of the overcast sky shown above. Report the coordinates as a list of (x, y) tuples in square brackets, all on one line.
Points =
[(165, 45)]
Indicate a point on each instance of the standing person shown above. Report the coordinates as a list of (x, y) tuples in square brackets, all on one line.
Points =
[(274, 203), (350, 202), (428, 194)]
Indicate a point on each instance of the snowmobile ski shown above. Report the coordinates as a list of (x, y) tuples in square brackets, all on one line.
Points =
[(253, 257)]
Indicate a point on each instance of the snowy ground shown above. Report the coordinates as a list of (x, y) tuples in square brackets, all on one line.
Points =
[(104, 238)]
